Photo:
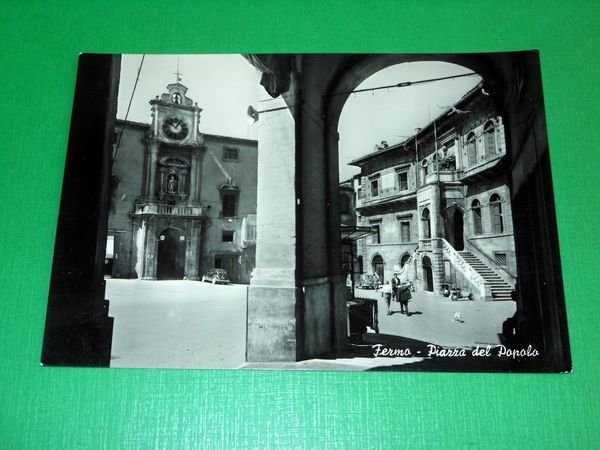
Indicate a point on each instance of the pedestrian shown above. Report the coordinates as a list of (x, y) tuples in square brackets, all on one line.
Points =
[(405, 296), (395, 288), (376, 280), (386, 292)]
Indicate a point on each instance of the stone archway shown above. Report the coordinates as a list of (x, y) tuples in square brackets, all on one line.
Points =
[(300, 142), (298, 276), (170, 264)]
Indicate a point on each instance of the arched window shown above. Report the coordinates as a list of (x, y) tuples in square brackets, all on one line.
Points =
[(476, 211), (377, 265), (404, 259), (489, 138), (426, 222), (471, 150), (496, 213)]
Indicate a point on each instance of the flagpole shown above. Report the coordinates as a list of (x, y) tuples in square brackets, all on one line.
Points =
[(417, 157)]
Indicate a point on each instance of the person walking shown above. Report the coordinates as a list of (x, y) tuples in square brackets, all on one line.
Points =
[(386, 293), (395, 288), (404, 293)]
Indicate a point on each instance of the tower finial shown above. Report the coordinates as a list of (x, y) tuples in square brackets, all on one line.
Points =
[(177, 74)]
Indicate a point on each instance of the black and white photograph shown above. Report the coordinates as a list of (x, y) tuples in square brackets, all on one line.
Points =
[(353, 212)]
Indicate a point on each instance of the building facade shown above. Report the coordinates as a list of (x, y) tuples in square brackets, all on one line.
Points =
[(439, 204), (182, 201)]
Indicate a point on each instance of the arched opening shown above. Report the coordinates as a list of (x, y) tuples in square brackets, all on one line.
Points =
[(377, 265), (427, 274), (489, 138), (404, 259), (476, 217), (496, 214), (471, 150), (426, 223), (454, 225), (171, 255), (320, 141)]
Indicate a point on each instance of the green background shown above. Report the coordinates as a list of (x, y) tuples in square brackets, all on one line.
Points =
[(98, 408)]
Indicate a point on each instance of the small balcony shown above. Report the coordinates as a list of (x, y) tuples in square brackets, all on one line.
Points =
[(167, 210), (445, 176), (386, 197)]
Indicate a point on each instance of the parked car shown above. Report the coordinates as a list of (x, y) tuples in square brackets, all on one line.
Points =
[(368, 282), (216, 276)]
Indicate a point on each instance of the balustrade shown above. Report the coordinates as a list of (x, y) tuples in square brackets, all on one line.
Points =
[(168, 210)]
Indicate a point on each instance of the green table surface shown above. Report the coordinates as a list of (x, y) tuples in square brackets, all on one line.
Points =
[(64, 408)]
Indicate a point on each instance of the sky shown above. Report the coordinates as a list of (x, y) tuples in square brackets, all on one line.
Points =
[(225, 85), (393, 115)]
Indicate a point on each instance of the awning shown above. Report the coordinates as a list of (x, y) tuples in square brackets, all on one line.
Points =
[(353, 233)]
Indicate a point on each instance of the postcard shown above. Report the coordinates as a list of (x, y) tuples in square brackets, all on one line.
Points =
[(381, 212)]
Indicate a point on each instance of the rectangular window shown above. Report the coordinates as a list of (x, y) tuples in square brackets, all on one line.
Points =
[(229, 205), (230, 154), (405, 231), (375, 238), (374, 188), (227, 236), (501, 259), (403, 181)]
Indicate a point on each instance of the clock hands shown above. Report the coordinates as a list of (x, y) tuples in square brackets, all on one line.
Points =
[(175, 128)]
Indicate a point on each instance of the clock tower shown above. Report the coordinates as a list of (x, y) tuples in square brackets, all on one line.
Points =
[(168, 214)]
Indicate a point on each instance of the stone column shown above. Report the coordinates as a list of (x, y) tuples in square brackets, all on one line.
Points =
[(271, 326), (192, 250), (194, 175), (437, 232), (154, 144), (149, 250)]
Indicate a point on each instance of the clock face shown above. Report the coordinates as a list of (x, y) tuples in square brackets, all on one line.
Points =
[(175, 128)]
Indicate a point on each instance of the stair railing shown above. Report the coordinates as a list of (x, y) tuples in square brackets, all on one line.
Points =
[(505, 274), (408, 262), (470, 274)]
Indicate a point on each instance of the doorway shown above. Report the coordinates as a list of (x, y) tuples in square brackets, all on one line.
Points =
[(171, 255), (377, 264), (230, 265), (427, 274), (455, 228)]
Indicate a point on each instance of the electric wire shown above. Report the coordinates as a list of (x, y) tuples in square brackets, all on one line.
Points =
[(129, 107)]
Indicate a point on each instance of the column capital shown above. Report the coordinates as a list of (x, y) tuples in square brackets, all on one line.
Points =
[(153, 142)]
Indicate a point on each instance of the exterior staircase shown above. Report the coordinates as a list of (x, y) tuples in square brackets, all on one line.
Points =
[(501, 290)]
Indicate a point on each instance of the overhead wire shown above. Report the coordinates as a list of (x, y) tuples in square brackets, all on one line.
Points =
[(129, 107)]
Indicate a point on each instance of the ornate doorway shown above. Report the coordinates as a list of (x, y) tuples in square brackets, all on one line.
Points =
[(171, 255)]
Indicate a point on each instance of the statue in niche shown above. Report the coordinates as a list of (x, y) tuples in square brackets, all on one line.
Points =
[(172, 184)]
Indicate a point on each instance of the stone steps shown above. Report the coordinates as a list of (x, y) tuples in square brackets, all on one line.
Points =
[(501, 290)]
